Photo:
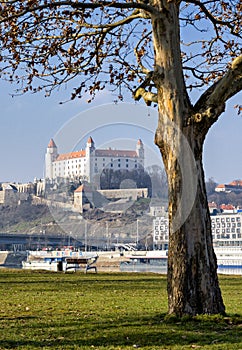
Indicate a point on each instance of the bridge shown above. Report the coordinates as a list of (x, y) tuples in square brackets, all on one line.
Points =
[(25, 241)]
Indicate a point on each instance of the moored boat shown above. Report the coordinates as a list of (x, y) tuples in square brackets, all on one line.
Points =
[(146, 261), (64, 260)]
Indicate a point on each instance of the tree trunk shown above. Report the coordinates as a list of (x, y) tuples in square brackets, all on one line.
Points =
[(193, 286)]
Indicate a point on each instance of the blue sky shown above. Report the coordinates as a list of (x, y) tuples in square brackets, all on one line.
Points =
[(29, 121)]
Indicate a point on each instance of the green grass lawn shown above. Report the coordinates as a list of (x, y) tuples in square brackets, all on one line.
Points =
[(42, 310)]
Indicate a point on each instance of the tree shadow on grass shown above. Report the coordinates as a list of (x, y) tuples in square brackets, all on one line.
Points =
[(127, 332)]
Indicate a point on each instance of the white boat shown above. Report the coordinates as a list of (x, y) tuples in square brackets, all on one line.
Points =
[(146, 261), (229, 261), (64, 260), (47, 263)]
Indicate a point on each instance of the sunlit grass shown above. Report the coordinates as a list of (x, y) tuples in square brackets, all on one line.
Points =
[(107, 311)]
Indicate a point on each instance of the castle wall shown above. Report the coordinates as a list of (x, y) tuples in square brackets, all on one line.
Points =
[(133, 193)]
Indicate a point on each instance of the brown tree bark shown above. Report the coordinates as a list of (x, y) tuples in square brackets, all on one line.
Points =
[(193, 286)]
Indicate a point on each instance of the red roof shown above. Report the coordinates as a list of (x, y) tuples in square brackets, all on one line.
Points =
[(90, 140), (227, 207), (52, 144), (71, 155), (83, 188), (236, 183), (80, 189), (115, 153)]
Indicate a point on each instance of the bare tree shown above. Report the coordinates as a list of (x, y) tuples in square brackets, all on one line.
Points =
[(142, 46)]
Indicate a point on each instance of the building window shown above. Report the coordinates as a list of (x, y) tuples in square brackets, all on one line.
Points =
[(127, 165)]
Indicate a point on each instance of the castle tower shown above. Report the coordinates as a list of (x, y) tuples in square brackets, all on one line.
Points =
[(90, 152), (50, 157), (140, 149)]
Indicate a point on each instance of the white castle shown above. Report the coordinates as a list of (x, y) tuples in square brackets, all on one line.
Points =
[(89, 162)]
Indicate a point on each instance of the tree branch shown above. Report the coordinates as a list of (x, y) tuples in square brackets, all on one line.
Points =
[(213, 19), (212, 103), (76, 5), (147, 96)]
